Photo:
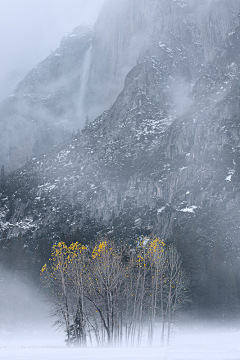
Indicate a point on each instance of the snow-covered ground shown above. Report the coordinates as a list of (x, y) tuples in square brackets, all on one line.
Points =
[(26, 333), (191, 344)]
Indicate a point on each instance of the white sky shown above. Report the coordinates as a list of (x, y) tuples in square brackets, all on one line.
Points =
[(31, 29)]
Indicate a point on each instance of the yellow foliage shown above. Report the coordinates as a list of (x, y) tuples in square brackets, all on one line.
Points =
[(43, 268), (157, 245), (99, 249), (62, 256)]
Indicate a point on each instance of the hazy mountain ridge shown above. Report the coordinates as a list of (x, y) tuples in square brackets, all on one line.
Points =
[(55, 97)]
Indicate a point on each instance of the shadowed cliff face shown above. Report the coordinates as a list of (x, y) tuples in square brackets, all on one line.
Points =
[(126, 31), (140, 163), (87, 72)]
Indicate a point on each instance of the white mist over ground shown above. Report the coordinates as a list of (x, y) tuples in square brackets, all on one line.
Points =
[(26, 332), (185, 345)]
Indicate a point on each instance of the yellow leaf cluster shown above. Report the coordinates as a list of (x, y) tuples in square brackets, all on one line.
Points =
[(99, 249)]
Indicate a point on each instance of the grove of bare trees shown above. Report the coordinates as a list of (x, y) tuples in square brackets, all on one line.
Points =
[(114, 294)]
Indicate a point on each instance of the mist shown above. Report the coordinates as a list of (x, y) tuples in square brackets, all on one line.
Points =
[(27, 332), (25, 318), (31, 30)]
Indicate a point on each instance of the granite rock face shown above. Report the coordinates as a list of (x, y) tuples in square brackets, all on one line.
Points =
[(166, 154), (86, 73), (43, 108)]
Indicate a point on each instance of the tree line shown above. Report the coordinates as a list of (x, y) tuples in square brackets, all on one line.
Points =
[(111, 294)]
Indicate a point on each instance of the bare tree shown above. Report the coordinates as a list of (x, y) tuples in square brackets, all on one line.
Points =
[(177, 284), (105, 280), (55, 278), (77, 263), (157, 258)]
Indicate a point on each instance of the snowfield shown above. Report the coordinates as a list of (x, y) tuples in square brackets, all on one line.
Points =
[(26, 333), (187, 345)]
